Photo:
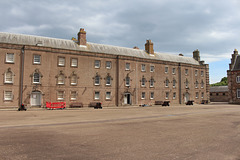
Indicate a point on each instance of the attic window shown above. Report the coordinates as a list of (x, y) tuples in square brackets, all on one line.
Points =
[(39, 43)]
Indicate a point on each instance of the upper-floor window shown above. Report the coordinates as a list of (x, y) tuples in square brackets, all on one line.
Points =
[(143, 68), (36, 59), (36, 77), (196, 84), (127, 81), (97, 63), (202, 95), (174, 83), (167, 95), (108, 64), (196, 94), (97, 80), (74, 79), (108, 80), (8, 95), (186, 71), (10, 57), (174, 95), (8, 76), (174, 71), (74, 62), (196, 72), (186, 83), (61, 61), (166, 69), (151, 82), (202, 84), (143, 82), (167, 83), (238, 79), (202, 73), (127, 66), (152, 68)]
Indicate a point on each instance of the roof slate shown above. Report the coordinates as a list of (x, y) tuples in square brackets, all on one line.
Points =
[(91, 47), (219, 89)]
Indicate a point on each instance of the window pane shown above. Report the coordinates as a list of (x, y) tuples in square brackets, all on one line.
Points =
[(8, 77), (108, 95), (127, 67), (173, 70), (10, 57), (8, 95), (74, 80), (97, 80), (143, 67), (108, 80), (37, 59), (108, 64), (97, 64), (97, 95), (60, 95), (61, 79), (143, 81), (152, 68), (166, 69), (61, 61), (73, 95), (174, 95), (127, 81), (152, 95), (151, 82), (167, 95), (74, 62), (36, 78), (143, 95)]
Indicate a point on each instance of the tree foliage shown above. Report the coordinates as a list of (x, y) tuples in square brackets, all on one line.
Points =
[(223, 82)]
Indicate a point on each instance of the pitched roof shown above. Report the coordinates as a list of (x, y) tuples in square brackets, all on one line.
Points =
[(236, 65), (91, 47), (219, 89)]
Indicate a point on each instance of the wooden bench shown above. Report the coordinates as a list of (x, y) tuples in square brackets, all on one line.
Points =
[(158, 102), (76, 105)]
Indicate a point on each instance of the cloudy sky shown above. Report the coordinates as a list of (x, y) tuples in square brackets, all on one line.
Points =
[(175, 26)]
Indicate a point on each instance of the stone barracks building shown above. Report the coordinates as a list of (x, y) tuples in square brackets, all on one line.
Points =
[(234, 79), (35, 70)]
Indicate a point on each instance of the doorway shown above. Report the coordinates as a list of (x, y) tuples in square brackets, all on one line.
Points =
[(186, 97), (127, 98), (36, 98)]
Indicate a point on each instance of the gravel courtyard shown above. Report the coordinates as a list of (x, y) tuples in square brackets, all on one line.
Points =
[(204, 132)]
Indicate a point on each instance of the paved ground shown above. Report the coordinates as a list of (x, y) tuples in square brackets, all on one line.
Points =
[(204, 132)]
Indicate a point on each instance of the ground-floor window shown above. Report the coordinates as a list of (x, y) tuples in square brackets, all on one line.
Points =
[(143, 95), (196, 94), (167, 95), (238, 93), (8, 96), (152, 95), (73, 95), (60, 95), (108, 95), (96, 95), (174, 95)]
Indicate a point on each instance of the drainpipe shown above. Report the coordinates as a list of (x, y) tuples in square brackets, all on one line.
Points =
[(180, 83), (117, 81), (21, 76)]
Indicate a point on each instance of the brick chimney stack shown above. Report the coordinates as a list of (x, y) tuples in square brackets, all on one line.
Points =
[(234, 56), (149, 47), (82, 37), (196, 55)]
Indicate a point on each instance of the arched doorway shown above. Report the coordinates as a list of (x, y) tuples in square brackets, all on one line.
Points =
[(36, 98), (186, 97)]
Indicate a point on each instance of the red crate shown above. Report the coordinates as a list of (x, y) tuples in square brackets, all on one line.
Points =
[(55, 105)]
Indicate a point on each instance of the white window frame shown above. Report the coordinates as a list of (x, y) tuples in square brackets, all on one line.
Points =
[(108, 95), (174, 95), (62, 80), (238, 79), (196, 84), (167, 95), (127, 81), (6, 78), (202, 84), (238, 93), (152, 68), (197, 95), (127, 66), (8, 97), (151, 95), (151, 82), (166, 69), (174, 71), (202, 96), (96, 95), (196, 72), (167, 83), (36, 59), (60, 95), (97, 80), (73, 80), (10, 59), (143, 95), (35, 78), (74, 62), (143, 82), (108, 64), (143, 68), (61, 61), (73, 95), (97, 63), (186, 71), (108, 81), (174, 83), (202, 73)]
